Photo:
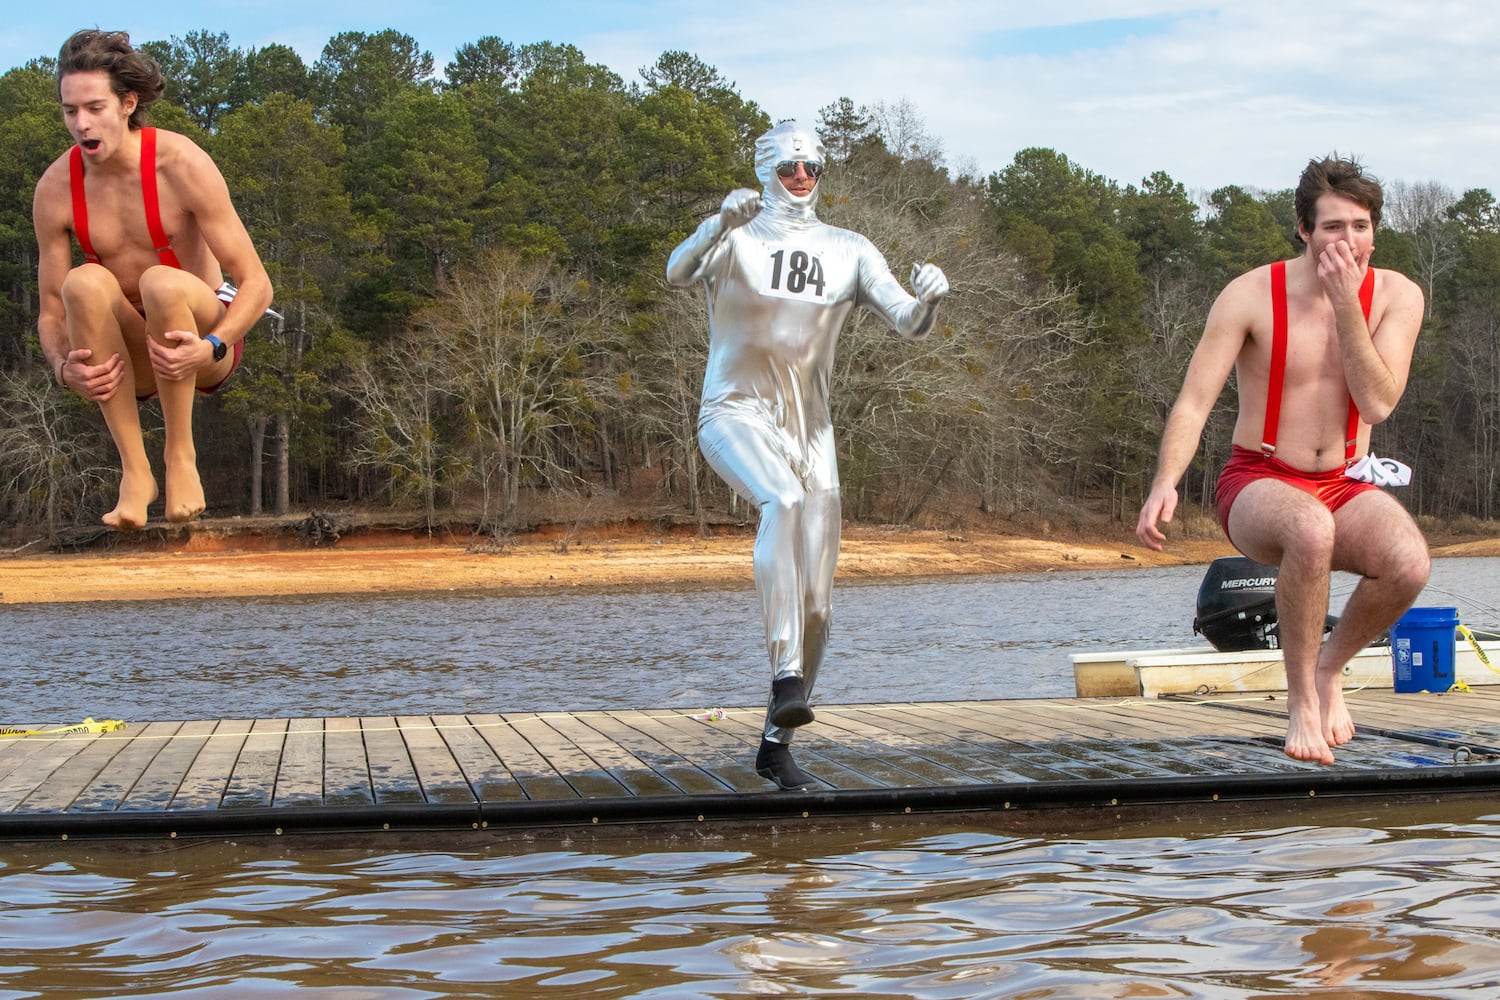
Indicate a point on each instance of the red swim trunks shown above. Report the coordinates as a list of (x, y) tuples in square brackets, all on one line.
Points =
[(1245, 466)]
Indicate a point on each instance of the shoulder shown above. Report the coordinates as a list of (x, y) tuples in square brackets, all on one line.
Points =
[(1247, 293), (189, 171), (1393, 286), (173, 149), (53, 188), (56, 174)]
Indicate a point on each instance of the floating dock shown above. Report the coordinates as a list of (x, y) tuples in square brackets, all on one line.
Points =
[(1025, 764)]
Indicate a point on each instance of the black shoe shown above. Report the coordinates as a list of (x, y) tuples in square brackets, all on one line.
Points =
[(774, 761), (789, 704)]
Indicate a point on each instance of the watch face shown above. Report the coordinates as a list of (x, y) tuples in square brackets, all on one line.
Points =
[(220, 349)]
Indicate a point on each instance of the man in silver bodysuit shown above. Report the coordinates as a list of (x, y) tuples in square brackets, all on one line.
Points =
[(779, 285)]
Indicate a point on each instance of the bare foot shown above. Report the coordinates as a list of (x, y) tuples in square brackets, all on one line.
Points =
[(1338, 725), (184, 491), (1304, 736), (136, 494)]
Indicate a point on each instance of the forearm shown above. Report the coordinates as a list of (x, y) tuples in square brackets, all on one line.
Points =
[(251, 300), (52, 332), (1179, 443), (917, 319), (909, 316), (1372, 385)]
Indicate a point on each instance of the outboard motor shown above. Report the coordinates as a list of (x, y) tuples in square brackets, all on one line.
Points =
[(1237, 605)]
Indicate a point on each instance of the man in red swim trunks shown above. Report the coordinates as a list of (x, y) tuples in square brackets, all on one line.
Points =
[(1321, 346), (147, 313)]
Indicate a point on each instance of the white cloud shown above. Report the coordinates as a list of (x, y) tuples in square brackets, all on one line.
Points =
[(1211, 92)]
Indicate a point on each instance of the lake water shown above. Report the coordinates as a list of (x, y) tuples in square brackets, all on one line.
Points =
[(1398, 900), (1005, 636)]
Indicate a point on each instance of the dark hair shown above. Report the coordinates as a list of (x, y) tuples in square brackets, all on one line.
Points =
[(1336, 175), (130, 72)]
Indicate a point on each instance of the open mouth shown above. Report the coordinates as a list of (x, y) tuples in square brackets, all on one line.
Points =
[(90, 144)]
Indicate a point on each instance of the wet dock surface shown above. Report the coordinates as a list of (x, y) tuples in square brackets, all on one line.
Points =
[(655, 768)]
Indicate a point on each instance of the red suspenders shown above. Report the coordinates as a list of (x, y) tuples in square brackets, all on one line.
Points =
[(159, 239), (80, 205), (1279, 327)]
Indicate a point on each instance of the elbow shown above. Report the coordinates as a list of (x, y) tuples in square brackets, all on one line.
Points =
[(681, 269), (1379, 410)]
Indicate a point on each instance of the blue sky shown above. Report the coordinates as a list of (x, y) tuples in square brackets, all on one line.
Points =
[(1213, 93)]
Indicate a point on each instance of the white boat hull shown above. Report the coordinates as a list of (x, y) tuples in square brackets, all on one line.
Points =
[(1151, 673)]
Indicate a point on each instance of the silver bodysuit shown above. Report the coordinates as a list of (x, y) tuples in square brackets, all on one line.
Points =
[(779, 288)]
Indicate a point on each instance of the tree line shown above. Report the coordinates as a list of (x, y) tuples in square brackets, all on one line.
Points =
[(469, 267)]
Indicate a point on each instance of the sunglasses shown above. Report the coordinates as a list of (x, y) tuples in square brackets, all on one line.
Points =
[(788, 168)]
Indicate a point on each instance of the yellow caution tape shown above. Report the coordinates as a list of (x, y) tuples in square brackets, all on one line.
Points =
[(1464, 631), (86, 726)]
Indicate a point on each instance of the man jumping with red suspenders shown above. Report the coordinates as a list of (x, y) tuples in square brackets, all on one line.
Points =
[(1321, 346), (149, 312)]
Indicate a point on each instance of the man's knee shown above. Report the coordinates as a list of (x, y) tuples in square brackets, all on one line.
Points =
[(89, 284), (1307, 534), (786, 504), (163, 287), (1408, 564)]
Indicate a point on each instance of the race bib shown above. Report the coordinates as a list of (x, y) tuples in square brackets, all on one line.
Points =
[(793, 273)]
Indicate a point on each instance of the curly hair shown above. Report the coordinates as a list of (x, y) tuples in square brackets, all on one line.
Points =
[(1341, 176), (130, 72)]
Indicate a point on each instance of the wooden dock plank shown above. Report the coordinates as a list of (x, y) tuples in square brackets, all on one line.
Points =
[(441, 777), (819, 757), (299, 779), (642, 737), (17, 752), (346, 769), (726, 756), (253, 779), (392, 773), (207, 777), (980, 763), (1032, 759), (485, 772), (537, 778), (892, 757), (60, 773), (639, 778), (580, 770), (107, 790), (159, 782)]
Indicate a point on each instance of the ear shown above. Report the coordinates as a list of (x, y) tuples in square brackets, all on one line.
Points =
[(129, 103)]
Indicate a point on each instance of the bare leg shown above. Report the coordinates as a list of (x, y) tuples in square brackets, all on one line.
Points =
[(101, 319), (1376, 538), (1278, 524), (176, 300)]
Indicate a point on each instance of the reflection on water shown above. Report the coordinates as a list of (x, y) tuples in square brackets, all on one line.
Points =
[(929, 640), (1403, 904)]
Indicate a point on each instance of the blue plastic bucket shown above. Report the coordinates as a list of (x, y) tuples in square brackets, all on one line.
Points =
[(1422, 650)]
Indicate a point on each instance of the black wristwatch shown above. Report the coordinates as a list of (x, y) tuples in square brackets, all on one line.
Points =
[(220, 348)]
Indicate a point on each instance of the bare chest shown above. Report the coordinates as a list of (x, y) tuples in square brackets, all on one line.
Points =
[(1311, 361), (114, 217)]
